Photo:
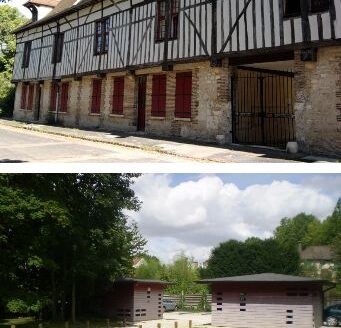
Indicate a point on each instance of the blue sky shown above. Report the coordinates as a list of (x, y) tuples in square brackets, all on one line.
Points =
[(193, 213)]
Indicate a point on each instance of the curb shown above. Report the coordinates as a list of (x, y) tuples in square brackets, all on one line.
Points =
[(45, 129)]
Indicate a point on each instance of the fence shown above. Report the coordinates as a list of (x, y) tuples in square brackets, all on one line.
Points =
[(189, 301)]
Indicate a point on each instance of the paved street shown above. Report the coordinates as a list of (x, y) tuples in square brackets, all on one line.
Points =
[(17, 146), (32, 142)]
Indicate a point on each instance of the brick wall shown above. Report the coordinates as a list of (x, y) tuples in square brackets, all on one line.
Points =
[(318, 102)]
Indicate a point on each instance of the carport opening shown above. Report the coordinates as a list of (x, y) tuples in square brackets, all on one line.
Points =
[(263, 98)]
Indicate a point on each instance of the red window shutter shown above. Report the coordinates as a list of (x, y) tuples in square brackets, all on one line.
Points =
[(64, 97), (96, 96), (53, 97), (118, 95), (159, 95), (23, 96), (30, 97), (183, 95)]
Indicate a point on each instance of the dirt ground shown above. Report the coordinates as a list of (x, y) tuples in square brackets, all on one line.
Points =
[(183, 318)]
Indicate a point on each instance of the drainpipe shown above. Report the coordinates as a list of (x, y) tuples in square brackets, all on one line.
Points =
[(57, 104)]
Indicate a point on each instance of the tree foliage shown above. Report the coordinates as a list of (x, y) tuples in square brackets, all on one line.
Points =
[(10, 20), (64, 238), (292, 231), (151, 268), (233, 258)]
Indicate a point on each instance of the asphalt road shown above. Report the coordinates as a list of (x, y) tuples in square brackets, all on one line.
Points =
[(20, 146)]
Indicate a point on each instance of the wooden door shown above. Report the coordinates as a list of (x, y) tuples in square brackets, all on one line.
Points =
[(141, 103)]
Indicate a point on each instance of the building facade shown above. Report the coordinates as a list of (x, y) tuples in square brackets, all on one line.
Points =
[(135, 300), (261, 72), (267, 301)]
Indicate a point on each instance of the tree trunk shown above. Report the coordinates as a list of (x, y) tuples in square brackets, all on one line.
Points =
[(54, 296), (73, 305)]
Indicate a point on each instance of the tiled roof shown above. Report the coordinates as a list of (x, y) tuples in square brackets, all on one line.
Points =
[(47, 3), (317, 253)]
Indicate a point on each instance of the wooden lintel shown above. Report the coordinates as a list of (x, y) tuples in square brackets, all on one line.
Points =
[(166, 67), (216, 61)]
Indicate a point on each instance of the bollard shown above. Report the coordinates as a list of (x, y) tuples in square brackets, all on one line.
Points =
[(66, 324), (87, 324), (159, 325), (12, 326), (190, 324), (140, 326), (40, 325), (175, 324), (108, 323)]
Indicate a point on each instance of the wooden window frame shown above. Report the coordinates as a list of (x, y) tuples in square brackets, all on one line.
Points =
[(30, 98), (118, 96), (64, 97), (58, 45), (161, 19), (292, 14), (324, 7), (23, 100), (159, 95), (96, 97), (182, 96), (26, 54), (104, 34)]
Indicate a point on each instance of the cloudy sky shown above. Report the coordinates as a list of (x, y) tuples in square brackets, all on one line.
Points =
[(193, 213)]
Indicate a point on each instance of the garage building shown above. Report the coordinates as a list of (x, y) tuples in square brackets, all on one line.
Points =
[(267, 300), (135, 300)]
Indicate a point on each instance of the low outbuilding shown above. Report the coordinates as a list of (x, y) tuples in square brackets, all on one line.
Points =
[(267, 300), (135, 300)]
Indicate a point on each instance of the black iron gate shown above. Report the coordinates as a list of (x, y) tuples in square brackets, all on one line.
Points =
[(263, 112)]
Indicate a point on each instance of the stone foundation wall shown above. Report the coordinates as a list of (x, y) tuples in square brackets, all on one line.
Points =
[(318, 102), (210, 119)]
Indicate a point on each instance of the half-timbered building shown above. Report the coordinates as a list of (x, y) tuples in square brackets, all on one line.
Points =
[(262, 72)]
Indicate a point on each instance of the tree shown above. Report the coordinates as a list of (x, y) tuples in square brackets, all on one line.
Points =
[(150, 269), (233, 258), (292, 231), (184, 275), (327, 231), (95, 247), (10, 19)]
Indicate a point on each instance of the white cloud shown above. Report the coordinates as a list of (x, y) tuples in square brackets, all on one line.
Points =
[(195, 216)]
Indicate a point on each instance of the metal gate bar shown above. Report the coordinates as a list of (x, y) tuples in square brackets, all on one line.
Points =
[(263, 112)]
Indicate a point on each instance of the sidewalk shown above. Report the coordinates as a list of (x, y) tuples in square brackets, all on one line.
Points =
[(177, 147)]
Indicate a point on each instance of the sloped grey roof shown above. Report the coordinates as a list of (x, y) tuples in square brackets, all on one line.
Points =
[(317, 253), (264, 277)]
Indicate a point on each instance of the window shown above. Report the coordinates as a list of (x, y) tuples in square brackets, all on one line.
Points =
[(96, 96), (102, 36), (23, 96), (53, 96), (30, 97), (292, 8), (317, 6), (27, 54), (58, 45), (159, 96), (161, 20), (183, 95), (118, 96), (64, 97)]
